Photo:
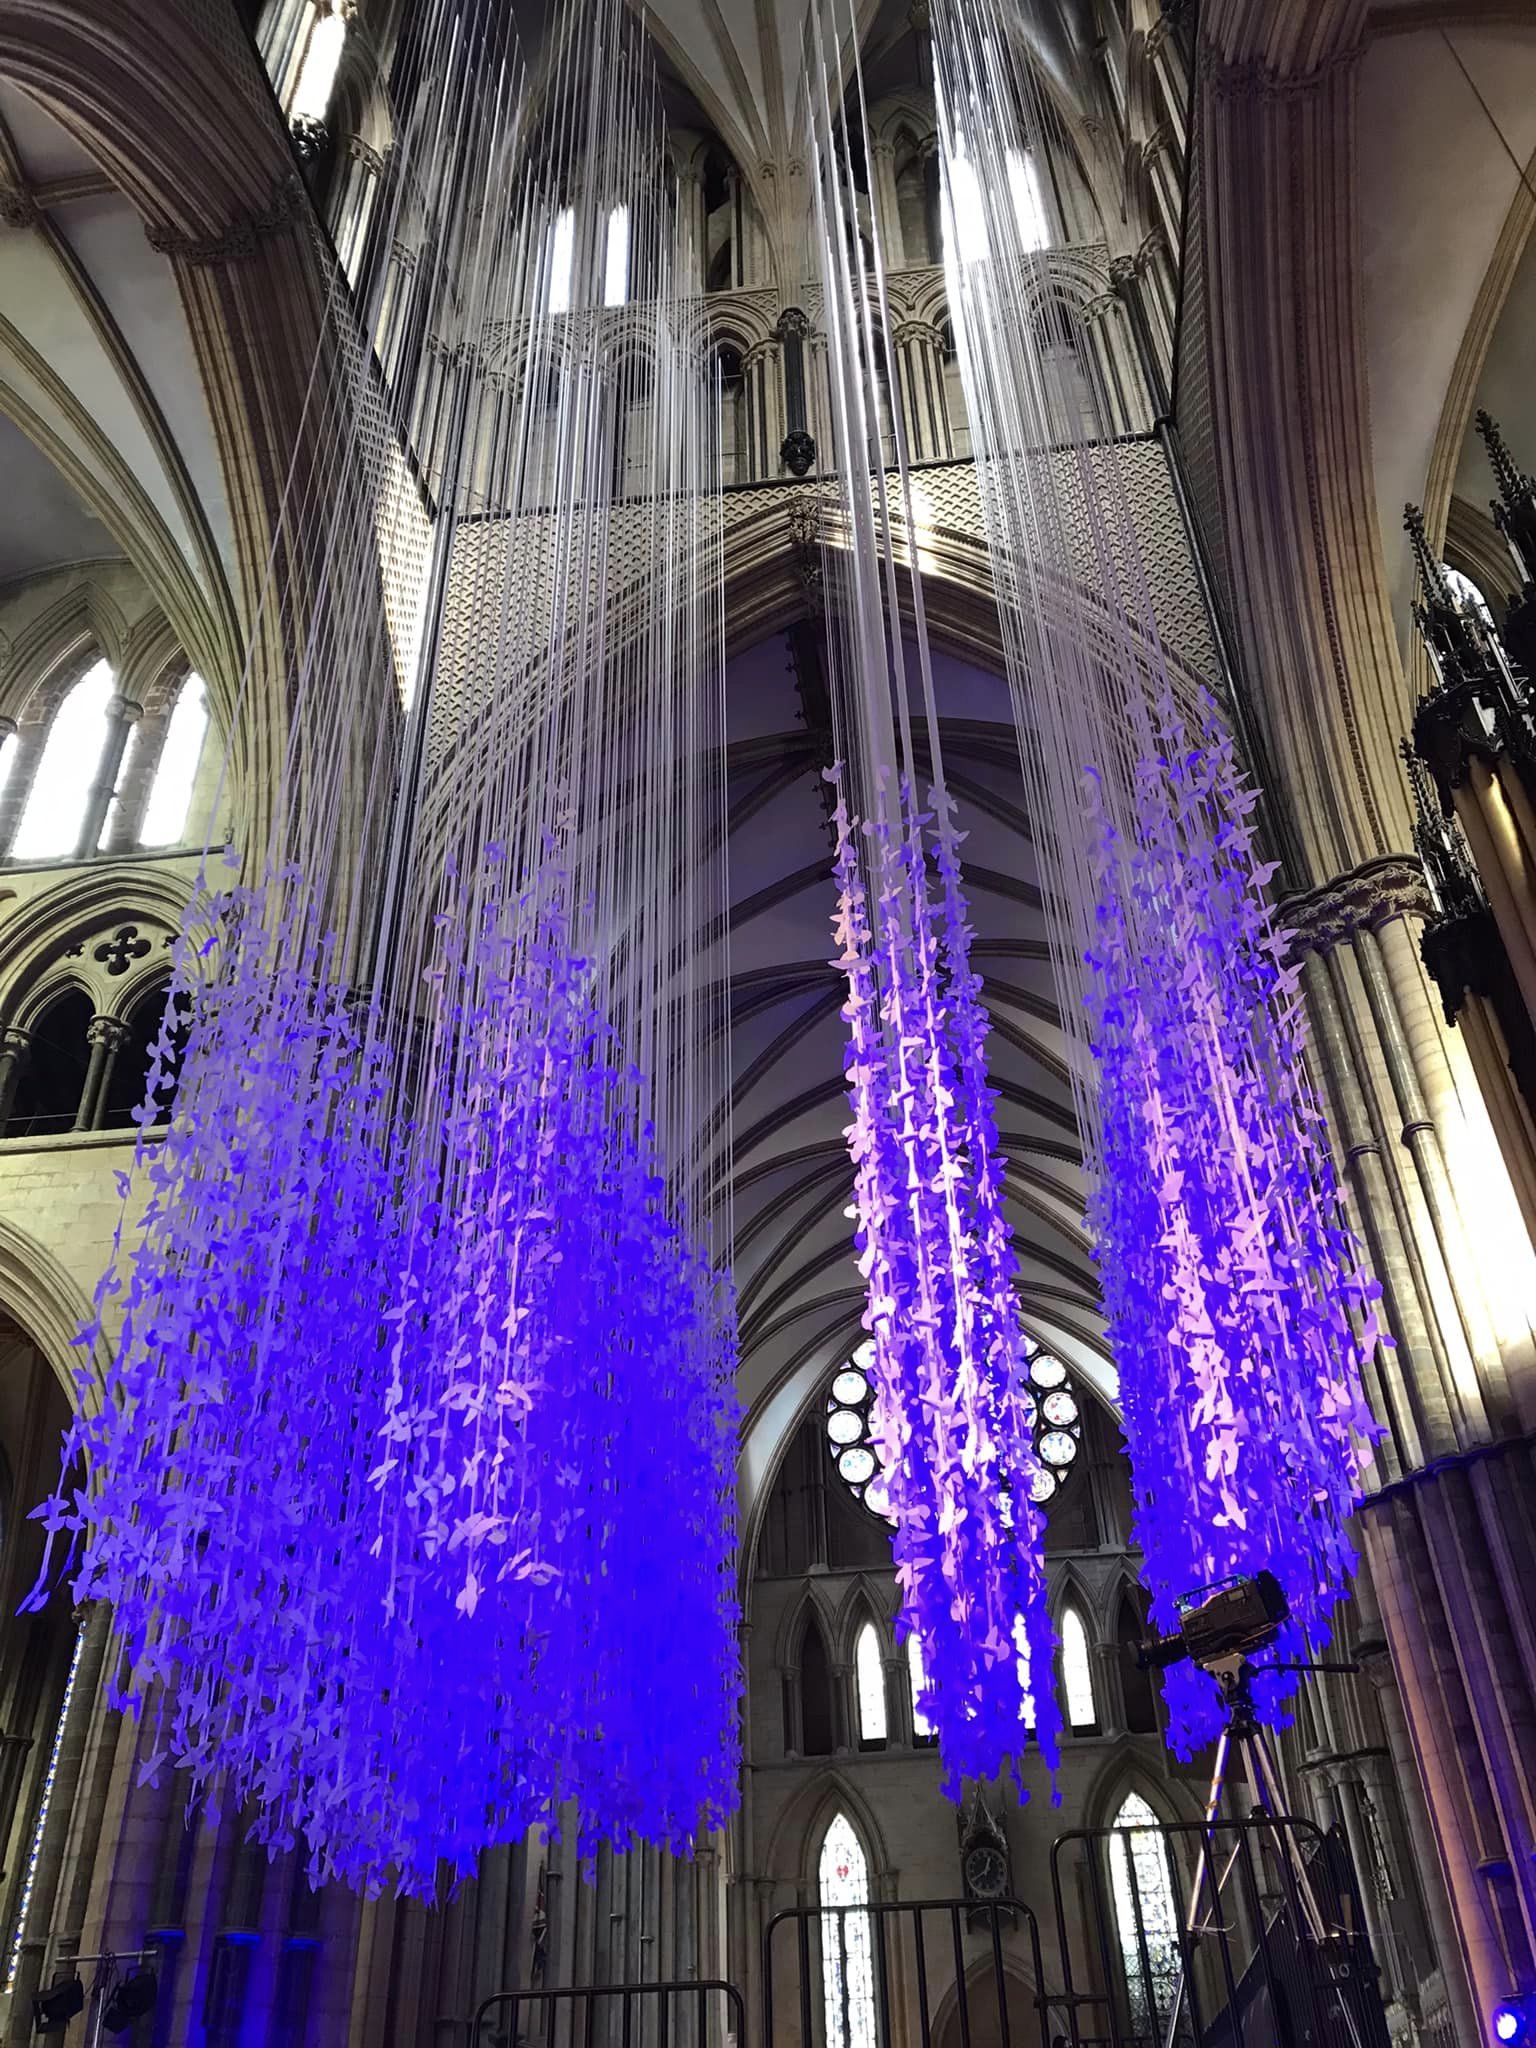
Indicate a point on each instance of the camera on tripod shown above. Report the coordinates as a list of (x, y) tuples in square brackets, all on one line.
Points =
[(1230, 1618)]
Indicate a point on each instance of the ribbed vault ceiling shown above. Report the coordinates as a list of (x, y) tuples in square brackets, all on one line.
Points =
[(799, 1295)]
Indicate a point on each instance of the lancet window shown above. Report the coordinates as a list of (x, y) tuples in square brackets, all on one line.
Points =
[(847, 1965), (1141, 1885), (1077, 1674), (922, 1727), (98, 775), (869, 1683)]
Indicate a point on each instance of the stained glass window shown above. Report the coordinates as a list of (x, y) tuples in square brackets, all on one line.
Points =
[(1077, 1671), (847, 1957), (35, 1847), (1146, 1917), (869, 1673)]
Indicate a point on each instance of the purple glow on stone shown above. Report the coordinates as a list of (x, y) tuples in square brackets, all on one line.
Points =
[(413, 1483), (1239, 1306), (949, 1368)]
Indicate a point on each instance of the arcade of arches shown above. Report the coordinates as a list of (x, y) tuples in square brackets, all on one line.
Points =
[(1288, 256)]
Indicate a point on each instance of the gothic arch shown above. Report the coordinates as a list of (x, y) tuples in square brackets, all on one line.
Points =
[(809, 1605), (979, 1977), (36, 945), (37, 1293), (796, 1841), (863, 1601)]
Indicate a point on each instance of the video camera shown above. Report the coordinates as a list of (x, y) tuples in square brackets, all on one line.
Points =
[(1232, 1618)]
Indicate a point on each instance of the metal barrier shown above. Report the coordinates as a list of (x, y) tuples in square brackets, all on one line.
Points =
[(1229, 1934), (820, 1928), (688, 1996)]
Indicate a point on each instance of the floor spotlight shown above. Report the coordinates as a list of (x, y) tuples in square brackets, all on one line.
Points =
[(1514, 2020), (53, 2009), (129, 2001)]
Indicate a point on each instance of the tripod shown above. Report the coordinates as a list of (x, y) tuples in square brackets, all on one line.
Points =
[(1243, 1735)]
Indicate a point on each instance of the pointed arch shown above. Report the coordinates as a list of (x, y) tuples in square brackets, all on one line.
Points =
[(1079, 1694), (794, 1847)]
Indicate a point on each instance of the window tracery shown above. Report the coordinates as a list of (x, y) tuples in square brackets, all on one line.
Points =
[(1146, 1914), (1052, 1406)]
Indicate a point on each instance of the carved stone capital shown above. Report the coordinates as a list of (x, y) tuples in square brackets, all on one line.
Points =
[(365, 154), (106, 1031), (244, 234), (1366, 898), (794, 324)]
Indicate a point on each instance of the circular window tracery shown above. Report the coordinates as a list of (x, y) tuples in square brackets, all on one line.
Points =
[(1051, 1405)]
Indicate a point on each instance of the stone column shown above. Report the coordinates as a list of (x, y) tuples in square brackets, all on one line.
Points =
[(884, 205), (920, 367), (763, 391), (106, 1038), (355, 196), (15, 1048), (122, 716)]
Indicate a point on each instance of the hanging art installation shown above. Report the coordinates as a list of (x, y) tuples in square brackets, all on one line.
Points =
[(1239, 1306), (411, 1481), (948, 1359), (1240, 1312)]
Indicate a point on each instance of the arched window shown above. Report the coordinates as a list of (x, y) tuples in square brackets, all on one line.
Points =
[(560, 275), (1135, 1680), (1077, 1673), (847, 1958), (735, 445), (616, 258), (917, 1678), (55, 813), (869, 1677), (311, 100), (181, 753), (1072, 410), (1146, 1916), (956, 410), (52, 1078), (1467, 595), (124, 1093), (1028, 200), (818, 1724), (1021, 1652)]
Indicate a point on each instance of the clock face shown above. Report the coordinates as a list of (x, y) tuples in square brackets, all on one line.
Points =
[(986, 1872)]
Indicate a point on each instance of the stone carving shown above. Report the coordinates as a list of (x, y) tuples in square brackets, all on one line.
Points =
[(1365, 898), (244, 234)]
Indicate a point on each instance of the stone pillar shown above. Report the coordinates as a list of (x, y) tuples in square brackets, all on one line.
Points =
[(763, 397), (15, 1048), (122, 716), (798, 450), (106, 1038), (920, 367), (884, 205)]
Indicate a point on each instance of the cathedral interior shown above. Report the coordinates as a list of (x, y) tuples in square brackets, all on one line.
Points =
[(1287, 263)]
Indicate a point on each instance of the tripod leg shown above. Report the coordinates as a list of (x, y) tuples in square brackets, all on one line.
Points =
[(1192, 1921)]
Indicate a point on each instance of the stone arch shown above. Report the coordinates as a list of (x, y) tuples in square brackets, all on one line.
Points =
[(47, 1303), (980, 1979), (36, 947), (796, 1841), (809, 1605), (59, 644), (863, 1601)]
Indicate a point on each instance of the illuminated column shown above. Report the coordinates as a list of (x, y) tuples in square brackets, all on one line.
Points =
[(884, 204)]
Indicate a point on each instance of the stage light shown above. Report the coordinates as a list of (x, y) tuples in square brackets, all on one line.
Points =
[(53, 2009), (129, 2001), (1514, 2020)]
